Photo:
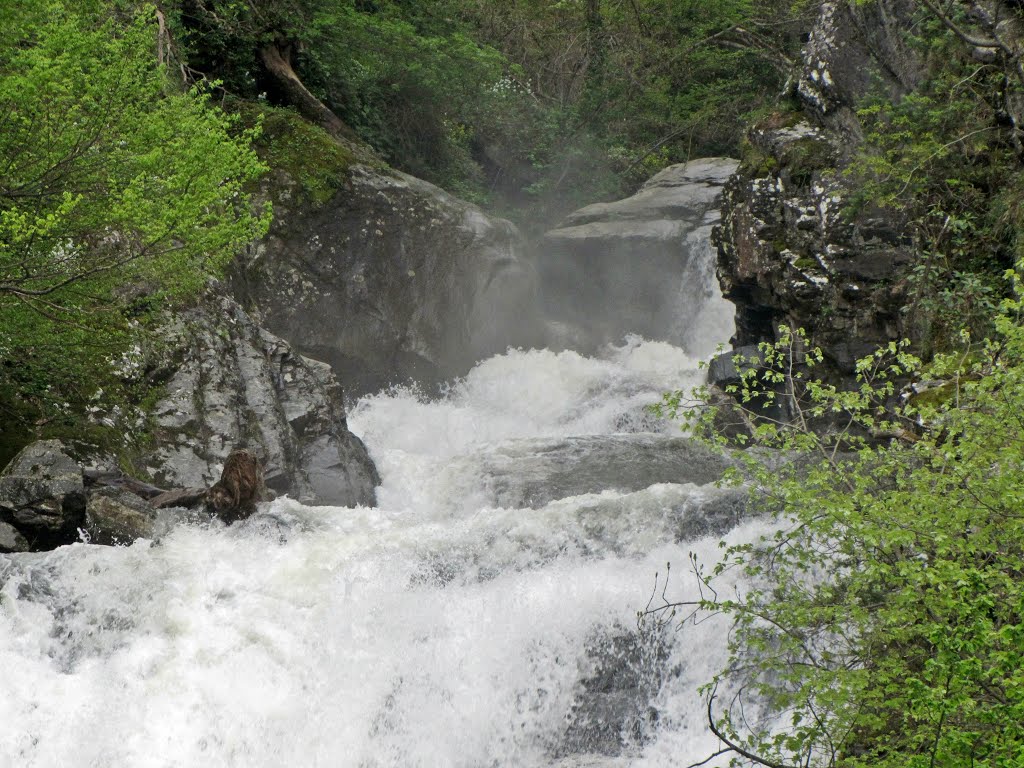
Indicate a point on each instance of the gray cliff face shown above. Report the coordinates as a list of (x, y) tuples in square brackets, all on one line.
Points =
[(851, 46), (787, 254), (231, 384), (642, 261), (391, 279)]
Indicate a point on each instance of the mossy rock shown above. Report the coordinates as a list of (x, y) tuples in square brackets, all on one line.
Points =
[(754, 163), (291, 145), (802, 157), (933, 398)]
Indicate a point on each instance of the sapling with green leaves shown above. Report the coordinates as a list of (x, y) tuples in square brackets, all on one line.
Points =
[(882, 622)]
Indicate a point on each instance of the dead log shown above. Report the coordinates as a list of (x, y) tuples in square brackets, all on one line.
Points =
[(277, 62)]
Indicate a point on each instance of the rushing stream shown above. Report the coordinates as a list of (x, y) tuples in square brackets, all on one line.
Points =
[(483, 615)]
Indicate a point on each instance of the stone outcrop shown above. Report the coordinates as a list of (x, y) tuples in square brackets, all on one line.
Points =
[(388, 280), (42, 498), (117, 516), (788, 254), (644, 262), (229, 383)]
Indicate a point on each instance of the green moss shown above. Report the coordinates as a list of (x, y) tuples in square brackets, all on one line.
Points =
[(804, 156), (754, 163), (934, 397), (318, 162), (805, 263)]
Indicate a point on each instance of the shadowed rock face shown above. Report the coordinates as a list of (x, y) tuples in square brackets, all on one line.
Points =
[(787, 252), (42, 498), (231, 384), (641, 265), (393, 279)]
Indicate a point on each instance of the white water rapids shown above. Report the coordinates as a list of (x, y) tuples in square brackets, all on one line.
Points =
[(482, 616)]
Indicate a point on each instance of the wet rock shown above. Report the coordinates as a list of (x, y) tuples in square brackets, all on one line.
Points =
[(543, 472), (229, 383), (118, 516), (612, 711), (391, 279), (11, 540), (42, 495), (645, 261)]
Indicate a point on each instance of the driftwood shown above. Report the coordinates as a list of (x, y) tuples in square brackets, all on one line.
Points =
[(115, 478), (233, 497), (182, 497), (241, 486)]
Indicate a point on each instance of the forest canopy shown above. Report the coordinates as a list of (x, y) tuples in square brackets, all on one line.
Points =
[(523, 104)]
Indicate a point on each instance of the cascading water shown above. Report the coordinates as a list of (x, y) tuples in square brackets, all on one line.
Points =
[(442, 628), (481, 616)]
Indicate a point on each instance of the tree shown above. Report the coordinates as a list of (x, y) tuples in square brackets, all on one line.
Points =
[(118, 192), (882, 622), (401, 76)]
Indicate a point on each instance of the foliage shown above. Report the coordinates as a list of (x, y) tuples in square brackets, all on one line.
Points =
[(118, 194), (882, 623), (678, 79), (402, 75), (533, 106), (943, 157)]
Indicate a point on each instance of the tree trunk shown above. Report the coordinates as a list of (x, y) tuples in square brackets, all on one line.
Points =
[(278, 65)]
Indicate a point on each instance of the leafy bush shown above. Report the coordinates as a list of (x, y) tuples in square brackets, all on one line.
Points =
[(883, 624)]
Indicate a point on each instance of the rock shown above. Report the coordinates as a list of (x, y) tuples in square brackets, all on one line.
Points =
[(645, 261), (230, 383), (118, 516), (613, 710), (391, 279), (787, 253), (42, 495), (723, 371), (538, 472), (11, 540), (851, 46)]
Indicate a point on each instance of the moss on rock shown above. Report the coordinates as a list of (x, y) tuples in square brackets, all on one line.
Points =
[(317, 162)]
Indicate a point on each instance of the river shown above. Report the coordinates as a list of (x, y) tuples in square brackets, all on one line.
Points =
[(482, 615)]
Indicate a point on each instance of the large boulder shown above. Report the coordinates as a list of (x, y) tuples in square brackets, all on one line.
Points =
[(11, 540), (42, 497), (388, 280), (645, 262), (118, 516), (229, 383), (788, 254)]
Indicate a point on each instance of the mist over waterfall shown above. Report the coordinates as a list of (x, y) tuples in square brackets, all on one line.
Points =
[(482, 615)]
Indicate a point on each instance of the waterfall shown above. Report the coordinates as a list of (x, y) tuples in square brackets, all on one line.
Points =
[(483, 615)]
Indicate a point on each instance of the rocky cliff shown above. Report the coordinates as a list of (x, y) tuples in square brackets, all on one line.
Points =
[(229, 383), (388, 279), (642, 264), (788, 252)]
